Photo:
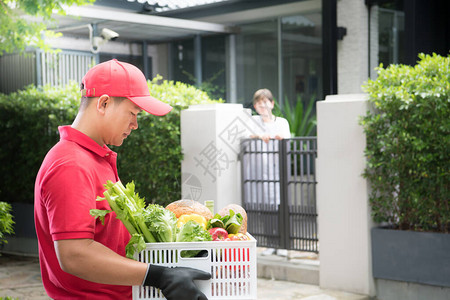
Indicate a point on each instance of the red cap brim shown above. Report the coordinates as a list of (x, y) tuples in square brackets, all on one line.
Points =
[(151, 105)]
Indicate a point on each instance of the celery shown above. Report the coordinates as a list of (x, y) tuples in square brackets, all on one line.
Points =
[(130, 209)]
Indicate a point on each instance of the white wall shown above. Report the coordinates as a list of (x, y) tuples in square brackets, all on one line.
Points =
[(342, 196), (210, 139)]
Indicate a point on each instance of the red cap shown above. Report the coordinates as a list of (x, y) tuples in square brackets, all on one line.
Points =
[(120, 79)]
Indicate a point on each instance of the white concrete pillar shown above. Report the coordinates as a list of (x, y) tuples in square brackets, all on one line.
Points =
[(342, 196), (353, 63), (210, 139)]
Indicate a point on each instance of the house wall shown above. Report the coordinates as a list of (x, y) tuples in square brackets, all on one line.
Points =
[(352, 55)]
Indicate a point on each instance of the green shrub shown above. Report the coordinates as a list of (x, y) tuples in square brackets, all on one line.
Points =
[(151, 155), (6, 221), (408, 145), (29, 122)]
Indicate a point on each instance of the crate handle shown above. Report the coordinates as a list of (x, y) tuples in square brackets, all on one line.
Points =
[(203, 254)]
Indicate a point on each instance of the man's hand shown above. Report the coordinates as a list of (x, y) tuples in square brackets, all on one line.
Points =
[(176, 283)]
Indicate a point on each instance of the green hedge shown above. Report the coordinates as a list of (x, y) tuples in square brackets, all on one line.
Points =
[(408, 145), (151, 155)]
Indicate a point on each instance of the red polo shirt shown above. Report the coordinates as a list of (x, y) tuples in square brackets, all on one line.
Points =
[(67, 185)]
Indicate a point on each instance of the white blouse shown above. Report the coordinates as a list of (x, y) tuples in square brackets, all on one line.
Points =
[(279, 126)]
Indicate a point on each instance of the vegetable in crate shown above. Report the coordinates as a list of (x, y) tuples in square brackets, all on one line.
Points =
[(161, 222), (237, 209), (218, 234), (128, 206), (194, 217), (149, 224), (192, 232), (238, 237), (231, 222), (130, 209), (186, 207)]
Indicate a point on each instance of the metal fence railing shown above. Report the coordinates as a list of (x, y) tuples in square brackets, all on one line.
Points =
[(279, 192), (58, 69), (43, 68)]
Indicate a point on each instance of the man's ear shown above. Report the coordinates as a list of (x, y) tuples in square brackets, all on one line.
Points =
[(103, 102)]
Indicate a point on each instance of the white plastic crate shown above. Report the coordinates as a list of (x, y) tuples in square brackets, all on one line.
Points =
[(232, 265)]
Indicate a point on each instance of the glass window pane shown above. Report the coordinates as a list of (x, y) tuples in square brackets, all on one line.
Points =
[(302, 57), (257, 60), (391, 33), (257, 54), (183, 61), (213, 66)]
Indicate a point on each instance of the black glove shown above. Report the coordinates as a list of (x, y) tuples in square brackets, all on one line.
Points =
[(176, 283)]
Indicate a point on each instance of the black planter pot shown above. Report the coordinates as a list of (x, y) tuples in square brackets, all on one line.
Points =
[(24, 240), (419, 257)]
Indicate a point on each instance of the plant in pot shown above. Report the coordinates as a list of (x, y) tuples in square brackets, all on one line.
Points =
[(408, 151), (301, 118), (6, 222)]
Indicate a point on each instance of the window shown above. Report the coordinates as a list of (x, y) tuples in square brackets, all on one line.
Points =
[(302, 57), (391, 34), (296, 42), (257, 60), (183, 61), (213, 64)]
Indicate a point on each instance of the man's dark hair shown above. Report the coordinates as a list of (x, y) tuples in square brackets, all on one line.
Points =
[(86, 100)]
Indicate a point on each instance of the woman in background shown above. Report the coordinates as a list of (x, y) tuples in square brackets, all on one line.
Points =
[(265, 190)]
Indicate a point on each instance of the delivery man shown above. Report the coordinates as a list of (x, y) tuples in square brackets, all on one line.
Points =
[(79, 257)]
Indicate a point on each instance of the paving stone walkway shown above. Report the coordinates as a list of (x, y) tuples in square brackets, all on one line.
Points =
[(20, 279)]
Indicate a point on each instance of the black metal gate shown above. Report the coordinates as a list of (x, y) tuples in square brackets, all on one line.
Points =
[(279, 192)]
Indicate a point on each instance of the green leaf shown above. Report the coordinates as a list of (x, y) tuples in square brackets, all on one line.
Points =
[(16, 33), (135, 244), (99, 213)]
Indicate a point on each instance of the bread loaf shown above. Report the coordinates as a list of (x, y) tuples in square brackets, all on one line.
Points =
[(186, 207), (237, 209)]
